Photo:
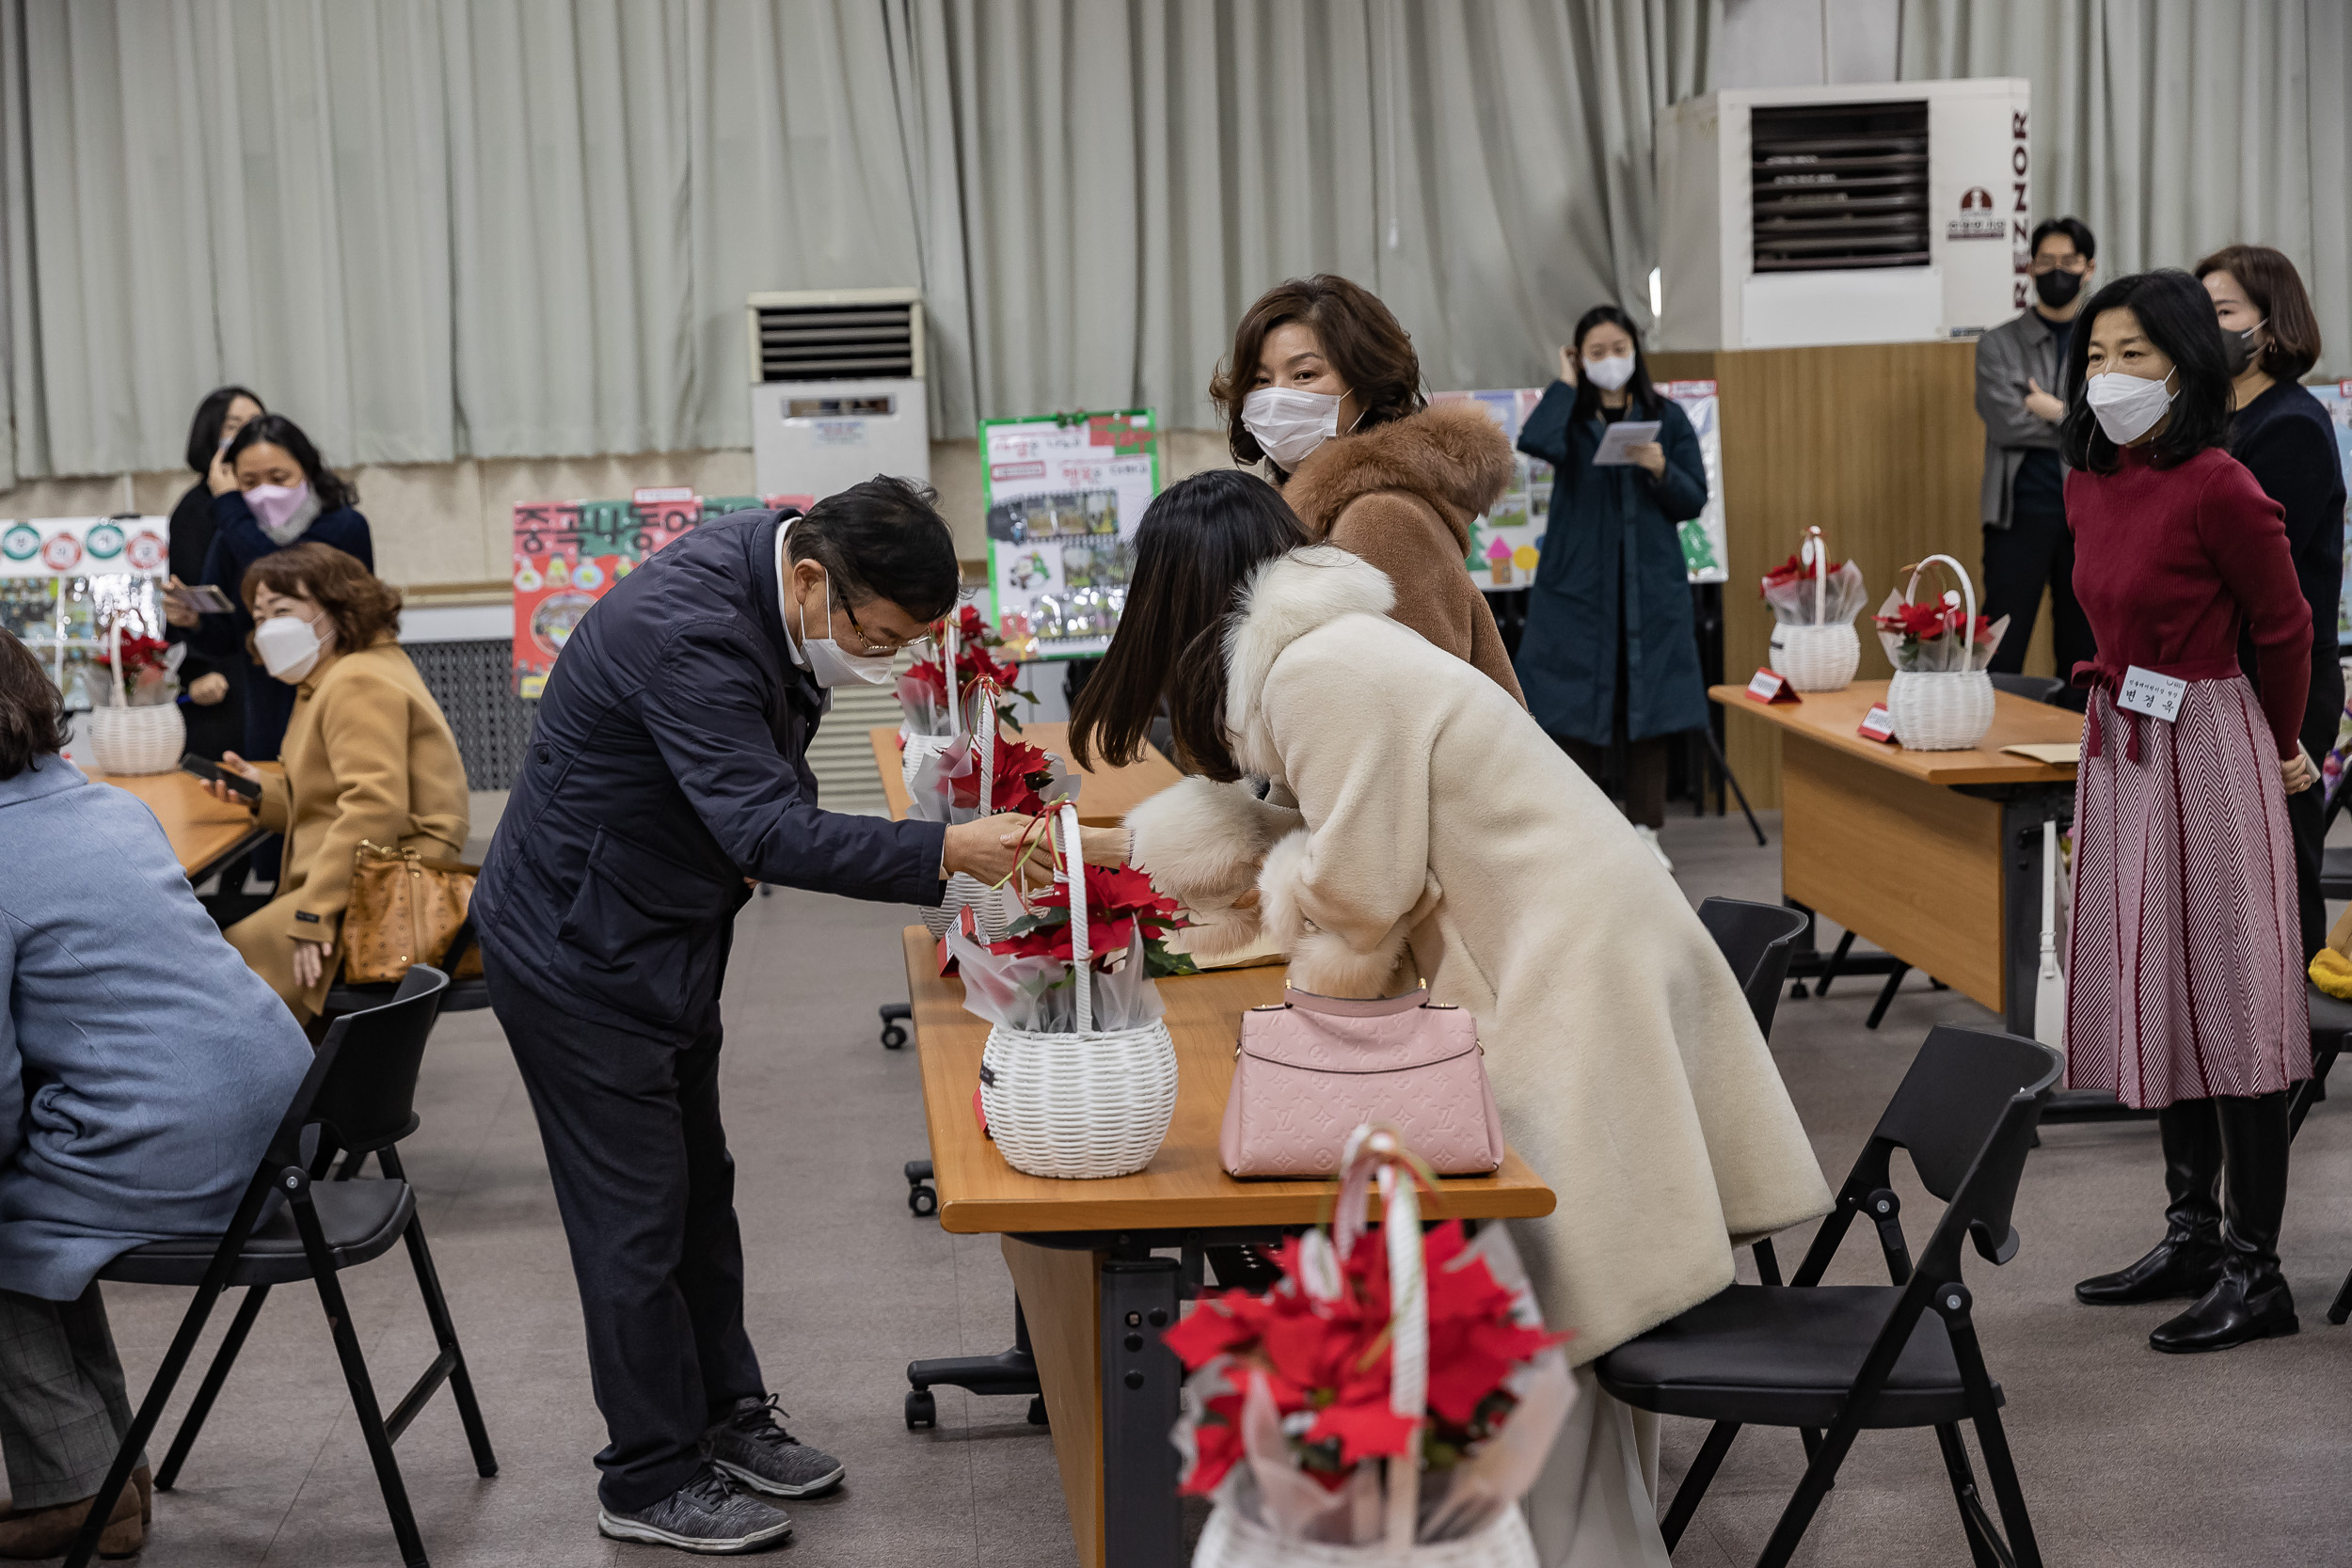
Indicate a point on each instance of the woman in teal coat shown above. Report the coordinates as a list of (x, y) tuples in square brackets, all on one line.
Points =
[(1610, 654)]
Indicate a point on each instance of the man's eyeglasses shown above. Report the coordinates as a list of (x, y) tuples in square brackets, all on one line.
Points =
[(868, 645), (2042, 264)]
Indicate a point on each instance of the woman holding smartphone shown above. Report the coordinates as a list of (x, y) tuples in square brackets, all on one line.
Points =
[(2185, 988), (215, 686), (369, 758)]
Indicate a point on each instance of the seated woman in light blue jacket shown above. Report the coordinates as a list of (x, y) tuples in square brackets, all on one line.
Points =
[(143, 1067)]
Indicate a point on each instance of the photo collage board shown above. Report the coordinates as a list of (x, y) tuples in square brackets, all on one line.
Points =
[(1064, 495), (1506, 542)]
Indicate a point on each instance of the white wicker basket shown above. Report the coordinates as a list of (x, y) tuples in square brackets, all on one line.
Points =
[(1082, 1105), (1231, 1541), (127, 739), (1946, 710), (1816, 658)]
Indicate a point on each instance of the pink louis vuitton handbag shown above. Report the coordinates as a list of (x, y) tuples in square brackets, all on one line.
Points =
[(1310, 1072)]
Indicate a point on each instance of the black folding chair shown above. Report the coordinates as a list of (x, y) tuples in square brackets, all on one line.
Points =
[(1757, 941), (294, 1224), (1845, 1358), (469, 995), (2034, 689)]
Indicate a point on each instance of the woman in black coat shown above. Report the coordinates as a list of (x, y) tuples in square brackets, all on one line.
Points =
[(2283, 437), (215, 686), (1609, 656)]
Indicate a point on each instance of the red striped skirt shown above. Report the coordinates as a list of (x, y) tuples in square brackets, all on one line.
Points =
[(2183, 971)]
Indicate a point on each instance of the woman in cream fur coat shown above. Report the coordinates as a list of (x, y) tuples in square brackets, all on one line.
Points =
[(1387, 816)]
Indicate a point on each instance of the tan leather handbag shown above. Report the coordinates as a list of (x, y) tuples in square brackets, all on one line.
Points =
[(406, 909)]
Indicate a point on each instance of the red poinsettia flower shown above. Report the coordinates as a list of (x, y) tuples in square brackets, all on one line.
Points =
[(1023, 772), (1791, 570), (1331, 1358), (138, 653), (1927, 622), (1117, 900)]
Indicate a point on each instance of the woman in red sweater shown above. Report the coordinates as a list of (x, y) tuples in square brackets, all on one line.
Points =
[(2185, 979)]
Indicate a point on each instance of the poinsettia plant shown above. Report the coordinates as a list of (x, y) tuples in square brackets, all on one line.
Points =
[(1028, 778), (1325, 1362), (1121, 903), (1799, 598), (1932, 638), (923, 696), (149, 669), (1794, 570)]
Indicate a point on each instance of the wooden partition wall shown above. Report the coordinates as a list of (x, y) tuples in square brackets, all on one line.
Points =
[(1876, 443)]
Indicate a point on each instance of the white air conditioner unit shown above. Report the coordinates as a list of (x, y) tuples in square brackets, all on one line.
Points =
[(1794, 216), (837, 390)]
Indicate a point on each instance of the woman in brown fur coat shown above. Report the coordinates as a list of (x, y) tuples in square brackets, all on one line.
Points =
[(1325, 386)]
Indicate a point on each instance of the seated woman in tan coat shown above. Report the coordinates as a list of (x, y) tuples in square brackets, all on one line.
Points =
[(1418, 826), (368, 757), (1325, 386)]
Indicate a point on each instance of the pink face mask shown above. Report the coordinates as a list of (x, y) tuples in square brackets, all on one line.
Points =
[(274, 505)]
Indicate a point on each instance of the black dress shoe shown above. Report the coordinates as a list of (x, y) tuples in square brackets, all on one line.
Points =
[(2176, 1266), (2229, 1315)]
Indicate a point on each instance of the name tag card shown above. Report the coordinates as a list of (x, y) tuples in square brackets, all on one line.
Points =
[(2145, 691), (1767, 686), (1877, 725)]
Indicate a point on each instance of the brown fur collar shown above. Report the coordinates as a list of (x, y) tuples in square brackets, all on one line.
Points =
[(1450, 456)]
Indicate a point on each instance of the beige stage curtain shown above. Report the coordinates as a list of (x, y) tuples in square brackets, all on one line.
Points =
[(2174, 127)]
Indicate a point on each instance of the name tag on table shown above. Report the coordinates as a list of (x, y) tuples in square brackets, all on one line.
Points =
[(1877, 725), (2145, 691), (1769, 686)]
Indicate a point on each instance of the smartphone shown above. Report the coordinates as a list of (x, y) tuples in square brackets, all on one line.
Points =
[(202, 597), (214, 773)]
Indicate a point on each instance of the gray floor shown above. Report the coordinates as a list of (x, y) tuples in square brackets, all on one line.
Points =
[(2128, 1457)]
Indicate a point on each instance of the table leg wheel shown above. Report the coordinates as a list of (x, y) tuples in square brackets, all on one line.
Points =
[(893, 1036), (923, 1201), (1037, 1412), (922, 1410)]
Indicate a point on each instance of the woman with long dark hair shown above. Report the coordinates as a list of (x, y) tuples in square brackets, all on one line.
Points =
[(271, 489), (2270, 334), (2185, 988), (1323, 385), (1387, 816), (216, 686), (1610, 658)]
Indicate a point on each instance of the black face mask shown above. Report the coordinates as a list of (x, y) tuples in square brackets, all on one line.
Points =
[(2057, 287), (2240, 348)]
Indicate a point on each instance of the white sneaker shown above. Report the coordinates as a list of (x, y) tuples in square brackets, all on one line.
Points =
[(1649, 838)]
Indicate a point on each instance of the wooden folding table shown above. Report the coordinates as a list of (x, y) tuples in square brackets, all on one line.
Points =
[(1083, 1253)]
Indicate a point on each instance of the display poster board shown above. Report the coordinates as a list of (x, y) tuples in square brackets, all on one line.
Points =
[(64, 581), (1506, 543), (85, 546), (569, 554), (1064, 494), (2337, 400)]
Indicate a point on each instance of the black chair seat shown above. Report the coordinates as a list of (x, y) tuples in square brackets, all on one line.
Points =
[(2330, 1016), (1773, 1356), (362, 1220), (2335, 872)]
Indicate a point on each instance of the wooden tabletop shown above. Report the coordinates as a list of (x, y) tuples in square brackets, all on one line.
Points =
[(1834, 719), (1105, 795), (1184, 1185), (202, 831)]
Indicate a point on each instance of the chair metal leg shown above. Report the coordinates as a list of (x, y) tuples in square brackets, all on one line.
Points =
[(356, 1375), (445, 1334), (214, 1377), (1694, 1484), (1953, 1303), (1733, 779), (2341, 1308), (1886, 996), (1983, 1546)]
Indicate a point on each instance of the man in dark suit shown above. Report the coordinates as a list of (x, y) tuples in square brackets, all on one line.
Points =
[(2020, 367), (667, 774)]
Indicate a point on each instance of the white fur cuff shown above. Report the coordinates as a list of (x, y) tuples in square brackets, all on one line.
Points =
[(1202, 841), (1321, 961)]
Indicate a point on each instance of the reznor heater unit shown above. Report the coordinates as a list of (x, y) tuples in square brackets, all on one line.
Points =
[(1793, 216), (837, 389)]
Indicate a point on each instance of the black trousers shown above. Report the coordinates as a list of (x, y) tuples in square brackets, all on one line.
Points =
[(2034, 551), (647, 1188), (2307, 821)]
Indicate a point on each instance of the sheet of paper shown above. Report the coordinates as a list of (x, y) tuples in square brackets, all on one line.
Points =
[(1617, 440), (2055, 752)]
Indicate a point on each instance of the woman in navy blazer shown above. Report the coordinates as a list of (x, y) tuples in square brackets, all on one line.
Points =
[(1611, 655), (143, 1067), (270, 490)]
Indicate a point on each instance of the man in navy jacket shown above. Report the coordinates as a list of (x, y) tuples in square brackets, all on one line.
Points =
[(667, 774)]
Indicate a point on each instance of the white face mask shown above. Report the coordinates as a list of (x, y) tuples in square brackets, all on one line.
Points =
[(2127, 407), (1611, 373), (1288, 425), (832, 663), (289, 647)]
